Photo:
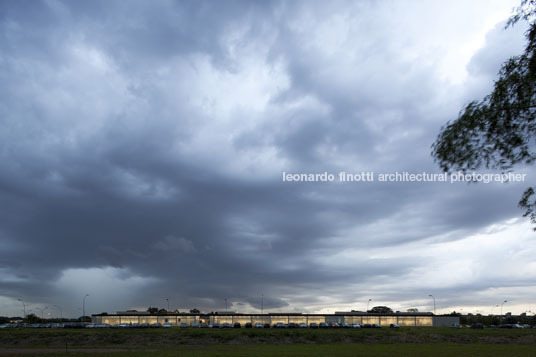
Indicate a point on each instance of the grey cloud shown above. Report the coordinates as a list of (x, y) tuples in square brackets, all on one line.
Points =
[(173, 243), (110, 162)]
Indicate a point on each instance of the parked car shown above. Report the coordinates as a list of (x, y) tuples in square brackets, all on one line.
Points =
[(183, 325), (203, 325), (266, 325), (313, 325), (167, 325), (506, 326), (279, 325), (394, 326), (259, 325), (67, 325), (215, 325), (345, 325), (302, 325), (323, 325), (156, 325), (334, 325), (477, 325), (237, 325), (248, 325), (376, 326), (292, 325), (226, 325), (356, 326)]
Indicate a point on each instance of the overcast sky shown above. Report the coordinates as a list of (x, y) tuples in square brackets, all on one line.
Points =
[(143, 143)]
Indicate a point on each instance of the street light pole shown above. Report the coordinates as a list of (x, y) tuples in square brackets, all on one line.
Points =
[(502, 306), (84, 305), (432, 296), (23, 306), (61, 311), (262, 304), (225, 304), (167, 303), (368, 302), (42, 311)]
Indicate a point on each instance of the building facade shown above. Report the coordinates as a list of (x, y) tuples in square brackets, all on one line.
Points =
[(176, 319)]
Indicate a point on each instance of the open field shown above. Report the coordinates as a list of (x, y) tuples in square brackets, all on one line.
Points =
[(261, 342), (439, 349)]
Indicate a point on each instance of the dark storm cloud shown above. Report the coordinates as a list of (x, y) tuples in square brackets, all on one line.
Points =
[(143, 145)]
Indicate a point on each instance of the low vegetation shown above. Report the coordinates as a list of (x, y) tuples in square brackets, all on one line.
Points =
[(292, 342)]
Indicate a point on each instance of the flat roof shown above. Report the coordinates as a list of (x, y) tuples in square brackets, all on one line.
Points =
[(338, 313), (399, 313)]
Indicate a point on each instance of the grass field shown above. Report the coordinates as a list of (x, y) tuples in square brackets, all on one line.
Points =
[(260, 342)]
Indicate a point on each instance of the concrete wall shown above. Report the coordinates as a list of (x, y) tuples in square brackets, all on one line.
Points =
[(446, 321)]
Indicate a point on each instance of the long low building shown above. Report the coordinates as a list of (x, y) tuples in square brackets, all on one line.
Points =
[(176, 319)]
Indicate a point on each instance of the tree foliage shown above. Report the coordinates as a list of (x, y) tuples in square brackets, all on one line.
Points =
[(498, 132), (381, 310), (32, 319)]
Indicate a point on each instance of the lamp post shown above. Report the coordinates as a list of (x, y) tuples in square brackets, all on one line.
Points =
[(167, 303), (84, 305), (502, 306), (262, 304), (42, 311), (225, 304), (23, 306), (432, 296), (368, 302), (61, 311)]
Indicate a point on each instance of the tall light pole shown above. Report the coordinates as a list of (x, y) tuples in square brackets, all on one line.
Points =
[(84, 305), (262, 304), (225, 304), (23, 306), (167, 303), (42, 311), (432, 296), (61, 311), (502, 305), (368, 302)]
